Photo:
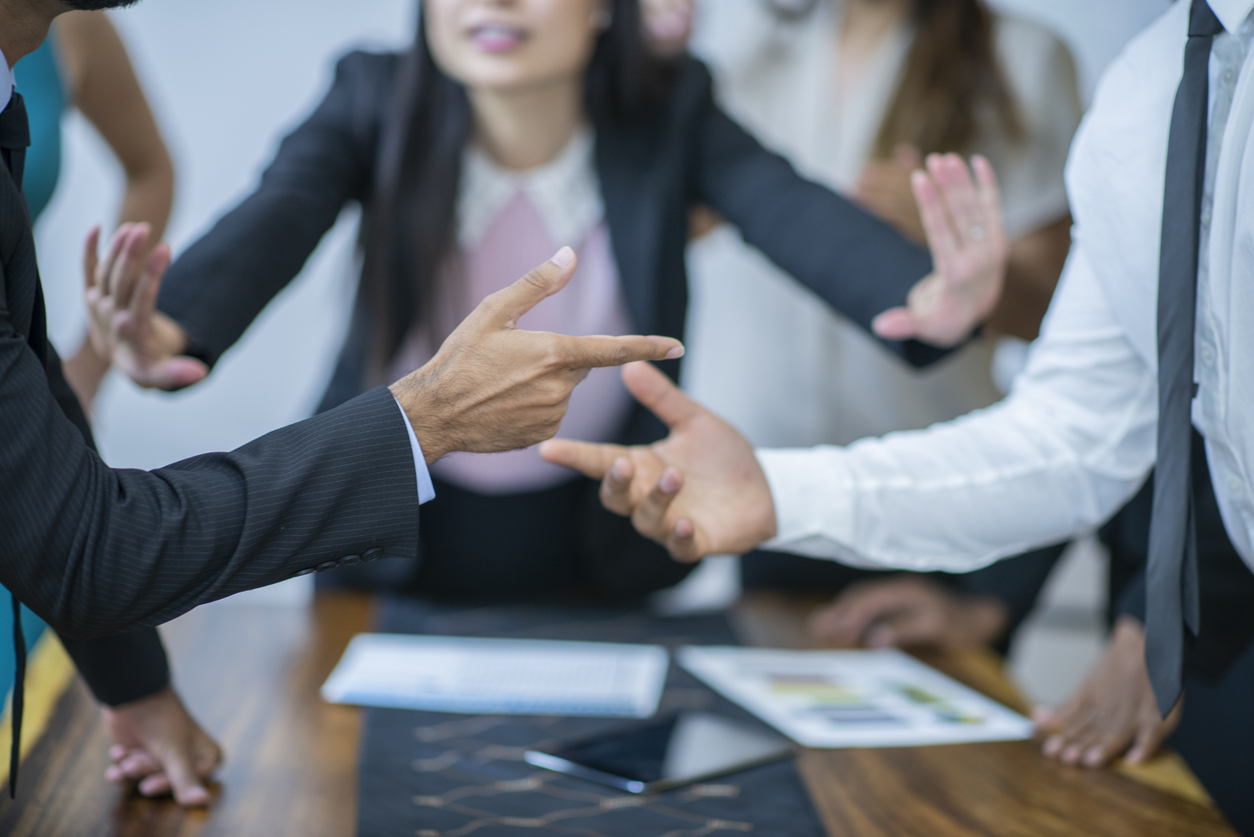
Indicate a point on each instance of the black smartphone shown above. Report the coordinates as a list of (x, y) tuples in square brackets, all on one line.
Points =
[(667, 753)]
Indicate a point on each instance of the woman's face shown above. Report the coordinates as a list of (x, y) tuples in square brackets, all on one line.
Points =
[(508, 45)]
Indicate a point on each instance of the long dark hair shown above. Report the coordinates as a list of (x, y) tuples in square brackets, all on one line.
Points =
[(953, 89), (408, 227)]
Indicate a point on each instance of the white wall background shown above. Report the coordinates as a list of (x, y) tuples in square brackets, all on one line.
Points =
[(226, 79)]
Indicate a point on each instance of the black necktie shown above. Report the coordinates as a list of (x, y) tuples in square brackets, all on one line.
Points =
[(14, 139), (1171, 584)]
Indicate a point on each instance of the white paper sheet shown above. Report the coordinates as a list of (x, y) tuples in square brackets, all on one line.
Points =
[(880, 698), (499, 676)]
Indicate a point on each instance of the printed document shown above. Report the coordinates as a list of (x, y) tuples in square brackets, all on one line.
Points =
[(879, 698), (499, 676)]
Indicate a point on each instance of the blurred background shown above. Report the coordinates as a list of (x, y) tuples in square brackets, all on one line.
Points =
[(226, 80)]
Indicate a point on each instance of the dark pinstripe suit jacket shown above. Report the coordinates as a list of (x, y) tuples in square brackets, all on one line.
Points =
[(95, 551)]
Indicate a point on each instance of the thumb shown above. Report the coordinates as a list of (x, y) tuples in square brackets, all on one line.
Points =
[(895, 324), (185, 782), (506, 306), (659, 393)]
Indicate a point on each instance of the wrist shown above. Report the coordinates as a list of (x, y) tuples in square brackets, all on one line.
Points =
[(169, 336), (423, 415)]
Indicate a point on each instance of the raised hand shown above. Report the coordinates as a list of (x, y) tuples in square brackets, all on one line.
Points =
[(698, 492), (125, 327), (494, 387), (962, 221)]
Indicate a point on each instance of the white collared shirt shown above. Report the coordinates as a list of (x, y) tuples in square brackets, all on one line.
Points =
[(1077, 435)]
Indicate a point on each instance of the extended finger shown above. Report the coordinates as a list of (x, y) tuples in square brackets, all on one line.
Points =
[(1150, 736), (616, 486), (589, 459), (144, 298), (938, 226), (683, 542), (951, 173), (105, 269), (650, 515), (653, 389), (130, 265), (600, 351), (185, 781), (1108, 744), (506, 306), (91, 257), (988, 190), (896, 324)]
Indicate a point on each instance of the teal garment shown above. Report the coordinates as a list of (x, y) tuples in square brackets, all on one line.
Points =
[(39, 82)]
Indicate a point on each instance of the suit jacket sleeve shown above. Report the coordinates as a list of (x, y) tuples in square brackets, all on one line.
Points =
[(856, 262), (125, 667), (222, 282), (95, 551)]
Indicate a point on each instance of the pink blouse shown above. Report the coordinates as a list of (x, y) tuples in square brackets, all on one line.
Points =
[(501, 250)]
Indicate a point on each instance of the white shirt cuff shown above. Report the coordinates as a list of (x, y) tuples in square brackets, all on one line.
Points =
[(426, 491), (814, 504)]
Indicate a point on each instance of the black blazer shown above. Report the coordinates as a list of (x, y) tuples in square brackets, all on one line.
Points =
[(94, 551), (683, 152)]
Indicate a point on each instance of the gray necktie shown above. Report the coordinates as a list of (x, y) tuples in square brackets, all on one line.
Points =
[(1172, 585)]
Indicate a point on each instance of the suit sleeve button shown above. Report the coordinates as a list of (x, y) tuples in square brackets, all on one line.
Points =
[(305, 571), (348, 560), (372, 554), (327, 565)]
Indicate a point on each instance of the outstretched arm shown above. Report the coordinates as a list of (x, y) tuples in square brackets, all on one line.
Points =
[(858, 263), (94, 551), (1069, 446), (103, 86)]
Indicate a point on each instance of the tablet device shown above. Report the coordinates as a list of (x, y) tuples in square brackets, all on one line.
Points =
[(663, 754)]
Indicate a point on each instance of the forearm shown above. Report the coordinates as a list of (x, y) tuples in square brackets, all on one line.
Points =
[(1067, 448), (95, 551), (860, 265), (149, 195)]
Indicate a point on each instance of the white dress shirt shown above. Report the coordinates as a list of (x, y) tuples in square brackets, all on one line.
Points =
[(820, 379), (1077, 435), (426, 491)]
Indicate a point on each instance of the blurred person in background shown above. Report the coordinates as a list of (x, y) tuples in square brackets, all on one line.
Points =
[(855, 93), (510, 126), (83, 64)]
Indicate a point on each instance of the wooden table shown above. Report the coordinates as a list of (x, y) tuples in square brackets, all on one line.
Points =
[(251, 675)]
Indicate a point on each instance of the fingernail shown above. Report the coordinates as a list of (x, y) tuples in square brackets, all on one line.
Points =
[(1093, 757), (1052, 746), (618, 472), (564, 257), (670, 481), (674, 353)]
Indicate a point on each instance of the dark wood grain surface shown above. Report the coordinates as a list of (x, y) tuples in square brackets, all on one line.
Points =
[(252, 674)]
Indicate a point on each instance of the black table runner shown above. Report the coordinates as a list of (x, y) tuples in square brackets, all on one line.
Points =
[(432, 774)]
